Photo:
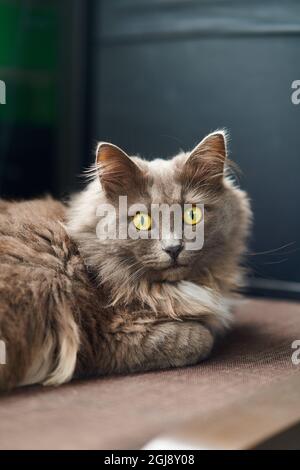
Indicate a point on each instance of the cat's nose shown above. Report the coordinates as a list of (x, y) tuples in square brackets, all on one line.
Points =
[(173, 250)]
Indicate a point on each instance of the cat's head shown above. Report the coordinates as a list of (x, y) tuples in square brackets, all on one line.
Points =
[(196, 182)]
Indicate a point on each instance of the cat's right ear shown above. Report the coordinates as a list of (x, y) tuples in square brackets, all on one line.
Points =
[(206, 162), (118, 173)]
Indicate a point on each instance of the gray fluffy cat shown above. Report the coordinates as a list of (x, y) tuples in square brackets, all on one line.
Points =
[(73, 304)]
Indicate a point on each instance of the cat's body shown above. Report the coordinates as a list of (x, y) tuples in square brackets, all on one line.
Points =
[(56, 322), (72, 305)]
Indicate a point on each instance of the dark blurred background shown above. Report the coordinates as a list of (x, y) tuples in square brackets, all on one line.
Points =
[(155, 76)]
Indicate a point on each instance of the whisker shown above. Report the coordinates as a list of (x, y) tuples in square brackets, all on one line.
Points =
[(274, 250), (276, 262)]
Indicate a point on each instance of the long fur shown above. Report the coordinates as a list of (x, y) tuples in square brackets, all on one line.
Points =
[(73, 305)]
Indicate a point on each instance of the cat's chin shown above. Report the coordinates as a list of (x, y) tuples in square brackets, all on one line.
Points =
[(171, 273)]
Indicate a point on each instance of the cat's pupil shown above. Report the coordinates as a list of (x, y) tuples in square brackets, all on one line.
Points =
[(192, 214), (142, 220)]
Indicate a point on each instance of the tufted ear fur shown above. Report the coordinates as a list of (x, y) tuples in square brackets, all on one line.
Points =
[(205, 163), (118, 173)]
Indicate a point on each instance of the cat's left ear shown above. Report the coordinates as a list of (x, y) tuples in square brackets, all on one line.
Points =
[(119, 175), (206, 161)]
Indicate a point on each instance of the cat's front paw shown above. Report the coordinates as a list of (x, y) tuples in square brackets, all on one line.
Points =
[(177, 344)]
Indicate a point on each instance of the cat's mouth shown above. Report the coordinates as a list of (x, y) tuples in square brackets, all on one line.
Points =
[(174, 272), (174, 266)]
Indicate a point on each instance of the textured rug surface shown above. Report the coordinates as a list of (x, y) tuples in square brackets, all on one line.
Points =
[(125, 412)]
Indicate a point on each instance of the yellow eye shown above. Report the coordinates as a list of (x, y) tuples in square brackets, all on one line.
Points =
[(142, 221), (193, 215)]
